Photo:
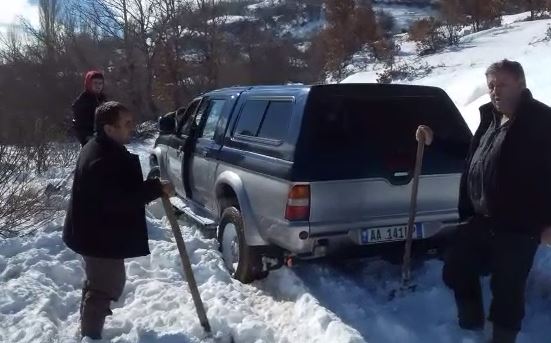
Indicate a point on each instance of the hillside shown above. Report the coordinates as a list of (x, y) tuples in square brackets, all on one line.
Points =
[(460, 71)]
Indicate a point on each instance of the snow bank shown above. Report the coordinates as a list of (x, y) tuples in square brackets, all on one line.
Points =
[(41, 281), (337, 302)]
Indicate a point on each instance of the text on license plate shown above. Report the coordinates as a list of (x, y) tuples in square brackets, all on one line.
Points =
[(390, 234)]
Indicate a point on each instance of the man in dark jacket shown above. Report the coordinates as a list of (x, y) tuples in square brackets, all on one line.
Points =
[(105, 220), (85, 106), (505, 197)]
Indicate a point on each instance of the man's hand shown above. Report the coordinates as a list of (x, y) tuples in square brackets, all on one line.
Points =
[(425, 132), (168, 189), (546, 236)]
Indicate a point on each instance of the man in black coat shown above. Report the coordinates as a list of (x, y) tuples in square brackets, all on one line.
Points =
[(105, 220), (505, 197), (85, 106)]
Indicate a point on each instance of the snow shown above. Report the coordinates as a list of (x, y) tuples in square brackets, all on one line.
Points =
[(262, 4), (515, 18), (232, 19), (460, 71), (316, 301), (305, 30), (41, 281)]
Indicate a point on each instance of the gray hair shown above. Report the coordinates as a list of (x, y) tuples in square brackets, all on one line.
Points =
[(512, 67)]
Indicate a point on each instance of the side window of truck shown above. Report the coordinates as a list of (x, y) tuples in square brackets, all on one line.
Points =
[(276, 120), (186, 122), (267, 119), (213, 113), (251, 117)]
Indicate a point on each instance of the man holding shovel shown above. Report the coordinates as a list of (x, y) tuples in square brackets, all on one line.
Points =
[(505, 197), (105, 220)]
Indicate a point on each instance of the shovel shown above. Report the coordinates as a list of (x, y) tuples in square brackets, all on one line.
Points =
[(188, 271), (406, 284)]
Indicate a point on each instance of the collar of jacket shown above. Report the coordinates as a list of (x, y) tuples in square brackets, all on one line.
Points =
[(98, 97), (109, 143), (487, 111)]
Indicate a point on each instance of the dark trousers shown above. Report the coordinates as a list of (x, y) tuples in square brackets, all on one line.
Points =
[(105, 279), (480, 249)]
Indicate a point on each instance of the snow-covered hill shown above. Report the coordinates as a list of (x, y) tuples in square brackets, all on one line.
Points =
[(460, 71), (308, 19)]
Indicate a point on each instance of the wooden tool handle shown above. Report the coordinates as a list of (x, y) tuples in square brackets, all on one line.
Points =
[(188, 271)]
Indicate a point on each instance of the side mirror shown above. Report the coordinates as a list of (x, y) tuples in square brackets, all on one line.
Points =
[(167, 124)]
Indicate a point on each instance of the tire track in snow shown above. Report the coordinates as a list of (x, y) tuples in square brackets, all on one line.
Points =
[(277, 309), (358, 292)]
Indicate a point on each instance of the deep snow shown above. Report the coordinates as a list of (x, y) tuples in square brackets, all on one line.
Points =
[(320, 301)]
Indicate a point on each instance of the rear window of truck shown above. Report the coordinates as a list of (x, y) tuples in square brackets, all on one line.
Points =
[(361, 136)]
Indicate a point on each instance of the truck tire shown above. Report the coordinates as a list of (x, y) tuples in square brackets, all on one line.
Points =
[(242, 261)]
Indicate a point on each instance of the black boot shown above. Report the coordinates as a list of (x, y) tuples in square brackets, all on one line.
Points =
[(502, 335), (471, 315)]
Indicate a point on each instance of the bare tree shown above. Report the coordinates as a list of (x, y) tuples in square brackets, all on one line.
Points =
[(173, 35), (49, 11), (134, 20), (210, 20), (453, 17), (340, 43), (350, 27), (12, 45), (428, 36), (483, 13), (21, 204)]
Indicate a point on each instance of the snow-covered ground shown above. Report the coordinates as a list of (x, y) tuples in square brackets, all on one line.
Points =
[(460, 71), (320, 301), (40, 281), (339, 301)]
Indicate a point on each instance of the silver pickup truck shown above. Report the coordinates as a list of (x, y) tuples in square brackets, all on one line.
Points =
[(279, 172)]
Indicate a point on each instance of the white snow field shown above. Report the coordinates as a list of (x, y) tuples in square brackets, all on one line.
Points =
[(460, 71), (323, 301), (319, 301)]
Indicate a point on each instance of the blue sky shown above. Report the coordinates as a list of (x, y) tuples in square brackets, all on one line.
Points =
[(11, 10)]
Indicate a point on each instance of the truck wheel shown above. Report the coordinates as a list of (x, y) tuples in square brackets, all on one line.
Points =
[(243, 262)]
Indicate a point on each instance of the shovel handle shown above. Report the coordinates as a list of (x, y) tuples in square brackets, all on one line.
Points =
[(188, 271), (406, 267)]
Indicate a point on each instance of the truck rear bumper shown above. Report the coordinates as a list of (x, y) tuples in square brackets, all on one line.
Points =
[(309, 241)]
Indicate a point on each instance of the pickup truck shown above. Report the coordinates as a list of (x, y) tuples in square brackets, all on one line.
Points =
[(280, 172)]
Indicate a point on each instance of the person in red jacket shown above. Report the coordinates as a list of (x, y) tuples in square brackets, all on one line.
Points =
[(85, 106)]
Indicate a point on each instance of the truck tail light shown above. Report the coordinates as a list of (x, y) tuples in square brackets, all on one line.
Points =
[(298, 203)]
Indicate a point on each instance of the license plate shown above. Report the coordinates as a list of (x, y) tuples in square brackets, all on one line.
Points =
[(390, 234)]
